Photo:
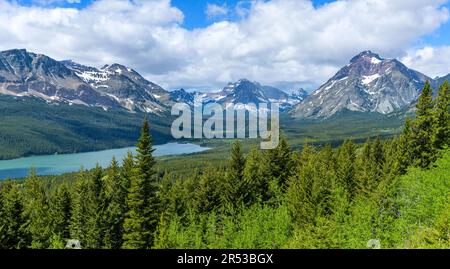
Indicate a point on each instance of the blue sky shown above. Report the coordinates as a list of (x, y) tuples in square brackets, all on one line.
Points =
[(194, 10), (282, 42)]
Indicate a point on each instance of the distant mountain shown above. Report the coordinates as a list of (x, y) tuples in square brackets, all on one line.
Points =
[(299, 94), (245, 91), (368, 84), (440, 80), (27, 74), (182, 96), (24, 73), (124, 85)]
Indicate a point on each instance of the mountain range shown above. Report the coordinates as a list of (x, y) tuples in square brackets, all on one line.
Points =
[(28, 74), (243, 92), (49, 106), (369, 83), (114, 86)]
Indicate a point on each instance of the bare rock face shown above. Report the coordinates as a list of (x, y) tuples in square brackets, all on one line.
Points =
[(28, 74), (368, 83), (125, 86)]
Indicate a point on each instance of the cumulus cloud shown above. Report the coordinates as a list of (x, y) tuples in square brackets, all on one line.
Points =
[(429, 60), (276, 41)]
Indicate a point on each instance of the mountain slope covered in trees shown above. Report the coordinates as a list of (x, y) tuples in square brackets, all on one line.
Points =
[(30, 126)]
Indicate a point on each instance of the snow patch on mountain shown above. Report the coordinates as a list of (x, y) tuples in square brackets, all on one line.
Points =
[(368, 83), (368, 79)]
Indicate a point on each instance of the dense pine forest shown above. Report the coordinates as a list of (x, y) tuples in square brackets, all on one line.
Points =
[(396, 191)]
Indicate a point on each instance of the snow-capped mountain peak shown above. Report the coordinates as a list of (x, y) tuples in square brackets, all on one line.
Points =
[(124, 85), (241, 93), (367, 56), (369, 83)]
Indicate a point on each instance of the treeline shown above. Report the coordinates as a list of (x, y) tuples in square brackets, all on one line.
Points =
[(316, 198)]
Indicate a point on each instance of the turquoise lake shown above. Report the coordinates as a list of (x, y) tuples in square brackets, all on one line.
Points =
[(65, 163)]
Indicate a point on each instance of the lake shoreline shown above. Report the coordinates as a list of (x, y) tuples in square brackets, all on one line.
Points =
[(57, 164), (96, 150)]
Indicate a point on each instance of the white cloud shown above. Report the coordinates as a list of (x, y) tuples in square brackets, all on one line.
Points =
[(278, 40), (429, 60), (213, 11)]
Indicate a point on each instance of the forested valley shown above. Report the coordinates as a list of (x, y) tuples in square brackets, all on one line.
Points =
[(395, 191)]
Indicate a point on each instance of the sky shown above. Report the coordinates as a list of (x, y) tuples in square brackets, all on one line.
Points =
[(204, 44)]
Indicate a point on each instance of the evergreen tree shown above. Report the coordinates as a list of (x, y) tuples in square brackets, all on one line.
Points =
[(234, 187), (441, 114), (422, 148), (345, 170), (2, 224), (181, 196), (255, 178), (325, 180), (142, 201), (115, 197), (60, 208), (135, 235), (207, 194), (2, 221), (98, 205), (280, 163), (390, 164), (161, 235), (366, 175), (377, 155), (128, 168), (85, 223), (403, 151), (13, 235), (302, 190), (78, 223), (36, 209)]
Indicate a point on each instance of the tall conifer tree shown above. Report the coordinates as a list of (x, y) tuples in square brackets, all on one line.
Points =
[(422, 148), (142, 200), (403, 151), (441, 113), (302, 190), (13, 234), (37, 211), (84, 225), (115, 196), (234, 187), (280, 164), (256, 178), (345, 170), (61, 212)]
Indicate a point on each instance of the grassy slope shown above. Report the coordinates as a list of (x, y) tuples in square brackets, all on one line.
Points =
[(424, 199)]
